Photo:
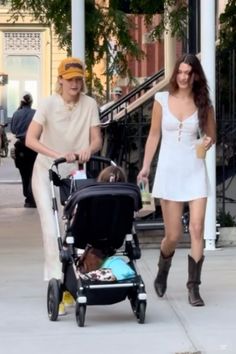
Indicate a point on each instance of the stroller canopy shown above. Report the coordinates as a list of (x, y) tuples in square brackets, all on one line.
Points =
[(102, 214)]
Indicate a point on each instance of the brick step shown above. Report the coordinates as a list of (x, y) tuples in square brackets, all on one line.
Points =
[(152, 239)]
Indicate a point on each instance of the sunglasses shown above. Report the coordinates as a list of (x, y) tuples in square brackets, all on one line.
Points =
[(73, 65)]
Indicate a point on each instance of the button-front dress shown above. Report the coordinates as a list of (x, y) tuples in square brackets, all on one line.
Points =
[(180, 175)]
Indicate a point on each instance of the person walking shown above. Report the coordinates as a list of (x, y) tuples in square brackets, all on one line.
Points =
[(181, 118), (67, 125), (24, 157)]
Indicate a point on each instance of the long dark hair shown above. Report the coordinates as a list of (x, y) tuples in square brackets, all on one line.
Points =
[(199, 88)]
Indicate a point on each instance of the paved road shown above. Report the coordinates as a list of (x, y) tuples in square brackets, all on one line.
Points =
[(172, 325)]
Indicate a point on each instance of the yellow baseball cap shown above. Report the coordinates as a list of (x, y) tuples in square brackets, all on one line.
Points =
[(71, 67)]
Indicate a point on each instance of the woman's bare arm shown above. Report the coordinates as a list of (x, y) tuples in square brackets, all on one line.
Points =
[(152, 140), (33, 141), (210, 129)]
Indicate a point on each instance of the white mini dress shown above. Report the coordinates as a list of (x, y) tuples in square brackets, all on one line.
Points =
[(180, 175)]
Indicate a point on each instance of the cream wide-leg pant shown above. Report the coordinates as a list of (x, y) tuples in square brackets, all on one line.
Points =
[(43, 198)]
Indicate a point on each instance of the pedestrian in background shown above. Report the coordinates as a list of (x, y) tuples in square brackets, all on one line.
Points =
[(67, 125), (24, 157), (116, 96), (183, 118)]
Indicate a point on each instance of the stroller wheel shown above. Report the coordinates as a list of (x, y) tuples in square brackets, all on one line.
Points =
[(80, 311), (141, 310), (53, 299)]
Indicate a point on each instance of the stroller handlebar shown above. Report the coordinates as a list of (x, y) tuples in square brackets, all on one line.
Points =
[(102, 159), (92, 158), (59, 161)]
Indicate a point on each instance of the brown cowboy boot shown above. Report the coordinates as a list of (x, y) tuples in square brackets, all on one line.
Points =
[(194, 280), (164, 264)]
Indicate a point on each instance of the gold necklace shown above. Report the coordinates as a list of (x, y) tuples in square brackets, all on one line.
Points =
[(71, 105)]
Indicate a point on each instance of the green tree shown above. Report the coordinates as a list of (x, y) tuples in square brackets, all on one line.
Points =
[(104, 23), (227, 34), (226, 60)]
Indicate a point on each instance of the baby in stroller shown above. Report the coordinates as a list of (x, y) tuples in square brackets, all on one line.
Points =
[(112, 174), (100, 216)]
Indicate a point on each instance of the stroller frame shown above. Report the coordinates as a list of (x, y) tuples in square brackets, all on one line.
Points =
[(87, 292)]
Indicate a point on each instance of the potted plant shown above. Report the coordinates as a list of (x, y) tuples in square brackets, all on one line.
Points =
[(227, 229)]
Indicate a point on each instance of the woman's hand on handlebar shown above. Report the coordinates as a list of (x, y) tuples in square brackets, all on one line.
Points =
[(70, 157), (84, 155)]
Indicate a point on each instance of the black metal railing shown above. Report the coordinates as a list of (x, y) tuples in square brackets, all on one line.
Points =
[(226, 129), (132, 96)]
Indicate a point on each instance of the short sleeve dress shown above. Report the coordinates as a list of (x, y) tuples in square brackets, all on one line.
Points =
[(180, 175)]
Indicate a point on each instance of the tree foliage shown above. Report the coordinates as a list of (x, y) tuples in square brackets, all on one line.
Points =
[(103, 24), (226, 61), (227, 20)]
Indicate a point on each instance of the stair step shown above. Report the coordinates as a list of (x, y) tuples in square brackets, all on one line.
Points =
[(153, 238)]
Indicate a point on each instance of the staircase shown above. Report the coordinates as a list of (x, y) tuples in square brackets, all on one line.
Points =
[(125, 132), (133, 99)]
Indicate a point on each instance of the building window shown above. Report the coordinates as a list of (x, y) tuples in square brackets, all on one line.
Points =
[(22, 53), (22, 42), (24, 75), (4, 3)]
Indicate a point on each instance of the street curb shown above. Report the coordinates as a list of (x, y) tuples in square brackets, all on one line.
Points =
[(10, 182)]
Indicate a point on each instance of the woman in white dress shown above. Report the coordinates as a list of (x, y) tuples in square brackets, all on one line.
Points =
[(66, 124), (179, 118)]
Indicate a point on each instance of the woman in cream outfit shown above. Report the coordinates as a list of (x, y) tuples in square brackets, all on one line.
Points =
[(67, 125), (181, 176)]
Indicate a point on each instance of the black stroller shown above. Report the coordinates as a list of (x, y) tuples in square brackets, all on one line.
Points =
[(101, 215)]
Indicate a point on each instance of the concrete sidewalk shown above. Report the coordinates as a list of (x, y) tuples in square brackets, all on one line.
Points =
[(172, 325)]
